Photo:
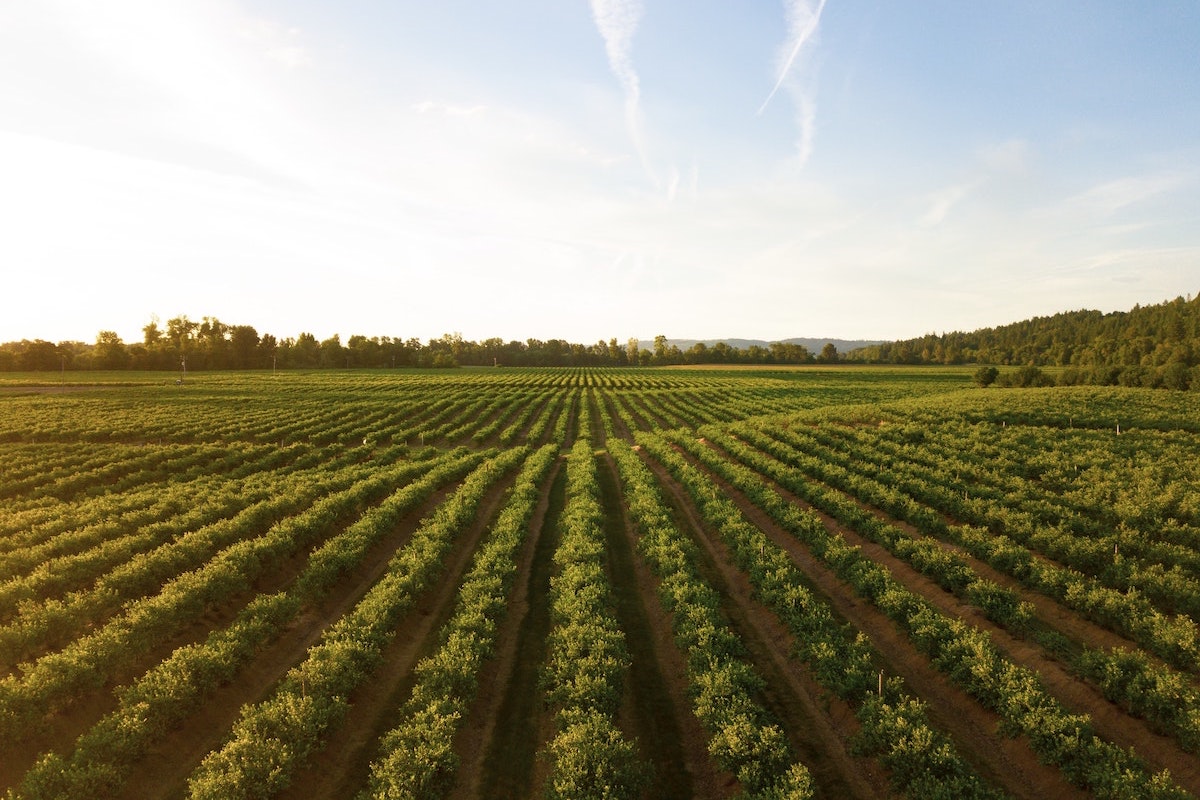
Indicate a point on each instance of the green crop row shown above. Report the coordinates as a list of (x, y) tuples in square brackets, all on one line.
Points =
[(922, 761), (56, 680), (417, 758), (273, 737), (1160, 695), (175, 688), (586, 659), (968, 658), (743, 737)]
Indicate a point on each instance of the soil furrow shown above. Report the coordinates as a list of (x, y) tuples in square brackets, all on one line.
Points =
[(478, 735), (818, 725), (656, 707), (509, 766), (163, 773), (1004, 762), (341, 768)]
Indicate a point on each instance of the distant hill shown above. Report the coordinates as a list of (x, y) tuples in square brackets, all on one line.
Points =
[(1157, 345), (812, 345)]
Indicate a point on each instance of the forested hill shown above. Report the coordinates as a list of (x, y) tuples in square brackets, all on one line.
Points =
[(1147, 336), (1156, 345)]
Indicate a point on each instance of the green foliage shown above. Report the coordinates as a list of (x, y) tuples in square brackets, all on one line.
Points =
[(1086, 496), (986, 375)]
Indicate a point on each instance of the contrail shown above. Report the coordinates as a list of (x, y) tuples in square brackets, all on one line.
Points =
[(802, 24), (617, 21)]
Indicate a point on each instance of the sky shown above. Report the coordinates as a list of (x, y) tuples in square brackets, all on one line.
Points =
[(565, 169)]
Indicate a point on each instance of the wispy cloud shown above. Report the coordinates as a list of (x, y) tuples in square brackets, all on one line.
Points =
[(617, 21), (1112, 196), (803, 20), (942, 201)]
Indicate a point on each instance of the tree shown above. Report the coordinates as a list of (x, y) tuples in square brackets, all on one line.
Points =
[(151, 335), (829, 354), (110, 351), (986, 376), (616, 355), (180, 333), (332, 353), (660, 349), (306, 352), (38, 355), (268, 346), (243, 345), (632, 351)]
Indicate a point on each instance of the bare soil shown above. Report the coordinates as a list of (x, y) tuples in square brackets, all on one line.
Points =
[(510, 699), (1078, 696), (164, 771), (506, 679), (1007, 763), (656, 707), (819, 726)]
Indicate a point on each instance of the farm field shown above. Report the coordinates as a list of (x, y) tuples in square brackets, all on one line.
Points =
[(506, 583)]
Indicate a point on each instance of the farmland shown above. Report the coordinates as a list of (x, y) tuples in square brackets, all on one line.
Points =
[(833, 583)]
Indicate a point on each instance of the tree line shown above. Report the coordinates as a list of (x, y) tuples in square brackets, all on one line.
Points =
[(210, 344), (1153, 346)]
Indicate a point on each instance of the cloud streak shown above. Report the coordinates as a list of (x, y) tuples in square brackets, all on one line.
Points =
[(803, 20), (617, 21)]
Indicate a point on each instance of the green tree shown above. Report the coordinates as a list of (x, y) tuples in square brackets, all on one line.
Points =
[(110, 351), (38, 355), (243, 346), (151, 335), (306, 352), (333, 355), (616, 356), (661, 353), (986, 376)]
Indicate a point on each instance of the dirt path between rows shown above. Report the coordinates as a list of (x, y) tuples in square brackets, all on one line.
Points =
[(509, 721), (61, 729), (1004, 762), (342, 766), (818, 725), (1077, 696), (164, 771), (656, 707), (512, 668), (1057, 616)]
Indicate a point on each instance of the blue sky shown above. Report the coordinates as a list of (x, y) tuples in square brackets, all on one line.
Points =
[(566, 169)]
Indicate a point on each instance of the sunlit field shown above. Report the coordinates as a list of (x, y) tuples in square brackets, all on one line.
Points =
[(833, 582)]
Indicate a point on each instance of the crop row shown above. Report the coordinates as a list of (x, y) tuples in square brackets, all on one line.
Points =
[(587, 660), (1012, 550), (417, 757), (273, 737), (967, 656), (1155, 692), (87, 523), (103, 756), (922, 760), (744, 739), (57, 679), (1121, 551), (54, 620)]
